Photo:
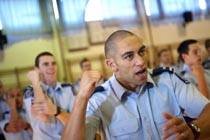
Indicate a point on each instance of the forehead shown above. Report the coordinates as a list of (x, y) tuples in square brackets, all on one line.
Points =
[(194, 46), (130, 43), (86, 63), (14, 91), (46, 59)]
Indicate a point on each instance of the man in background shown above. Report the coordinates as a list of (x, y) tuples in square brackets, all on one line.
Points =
[(206, 63), (15, 125), (48, 102), (166, 59), (85, 65), (3, 107), (191, 55)]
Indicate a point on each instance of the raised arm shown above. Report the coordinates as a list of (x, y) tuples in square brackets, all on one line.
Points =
[(198, 72), (76, 122), (38, 95)]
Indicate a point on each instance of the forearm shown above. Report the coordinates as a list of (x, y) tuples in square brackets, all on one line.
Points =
[(38, 92), (202, 86), (204, 123), (14, 114), (76, 121)]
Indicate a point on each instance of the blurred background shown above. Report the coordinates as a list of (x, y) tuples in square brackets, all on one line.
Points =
[(74, 29)]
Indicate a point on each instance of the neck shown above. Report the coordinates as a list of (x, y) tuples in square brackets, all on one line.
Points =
[(130, 87)]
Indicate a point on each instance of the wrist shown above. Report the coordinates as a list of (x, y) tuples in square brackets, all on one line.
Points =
[(27, 126), (195, 129), (58, 111), (5, 127)]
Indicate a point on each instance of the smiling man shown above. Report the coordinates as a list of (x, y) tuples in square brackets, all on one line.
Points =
[(191, 55), (136, 103), (47, 101)]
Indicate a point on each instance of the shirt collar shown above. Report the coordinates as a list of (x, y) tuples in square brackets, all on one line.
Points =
[(120, 90), (186, 67), (46, 87)]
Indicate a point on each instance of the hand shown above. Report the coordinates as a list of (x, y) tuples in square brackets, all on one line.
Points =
[(48, 107), (11, 127), (20, 124), (45, 106), (88, 82), (38, 112), (176, 126), (33, 75), (197, 70)]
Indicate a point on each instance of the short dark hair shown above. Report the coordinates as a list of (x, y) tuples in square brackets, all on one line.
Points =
[(40, 55), (207, 43), (82, 61), (184, 47), (161, 51), (110, 43)]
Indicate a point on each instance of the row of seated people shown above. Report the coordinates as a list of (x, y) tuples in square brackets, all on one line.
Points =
[(14, 124), (191, 65), (48, 103)]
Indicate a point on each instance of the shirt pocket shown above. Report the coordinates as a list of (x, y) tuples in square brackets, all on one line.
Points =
[(124, 128), (160, 120)]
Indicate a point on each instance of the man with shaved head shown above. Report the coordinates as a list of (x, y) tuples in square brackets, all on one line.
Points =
[(136, 103)]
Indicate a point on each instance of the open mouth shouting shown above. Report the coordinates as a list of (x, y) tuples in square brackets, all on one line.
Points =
[(142, 74)]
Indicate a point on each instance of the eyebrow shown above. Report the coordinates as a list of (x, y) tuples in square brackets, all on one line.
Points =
[(130, 52)]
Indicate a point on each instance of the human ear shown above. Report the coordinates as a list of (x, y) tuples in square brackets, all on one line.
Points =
[(110, 64)]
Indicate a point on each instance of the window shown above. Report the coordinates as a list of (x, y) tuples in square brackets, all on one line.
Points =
[(72, 13), (24, 16), (166, 9), (111, 10)]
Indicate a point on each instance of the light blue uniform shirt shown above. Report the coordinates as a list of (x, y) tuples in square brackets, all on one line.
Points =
[(23, 134), (206, 63), (126, 115), (4, 107), (190, 77), (62, 96)]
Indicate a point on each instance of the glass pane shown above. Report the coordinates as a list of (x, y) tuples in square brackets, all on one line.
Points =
[(20, 15), (111, 9)]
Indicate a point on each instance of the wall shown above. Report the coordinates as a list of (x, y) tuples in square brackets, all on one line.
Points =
[(22, 54), (175, 33)]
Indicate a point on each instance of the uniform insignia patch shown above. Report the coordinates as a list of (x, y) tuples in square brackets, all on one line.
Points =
[(28, 92)]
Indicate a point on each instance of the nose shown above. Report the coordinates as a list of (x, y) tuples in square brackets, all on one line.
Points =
[(139, 61)]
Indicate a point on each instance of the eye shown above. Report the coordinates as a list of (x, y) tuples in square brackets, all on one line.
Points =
[(129, 57), (142, 52), (46, 64), (53, 63)]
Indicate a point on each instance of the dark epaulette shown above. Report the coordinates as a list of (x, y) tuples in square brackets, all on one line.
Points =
[(170, 70), (28, 92), (69, 85), (160, 70), (66, 85), (6, 112), (99, 89)]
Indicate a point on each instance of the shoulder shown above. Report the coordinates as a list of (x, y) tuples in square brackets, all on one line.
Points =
[(28, 92), (102, 88), (160, 70), (99, 89), (65, 85), (167, 70), (68, 86)]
